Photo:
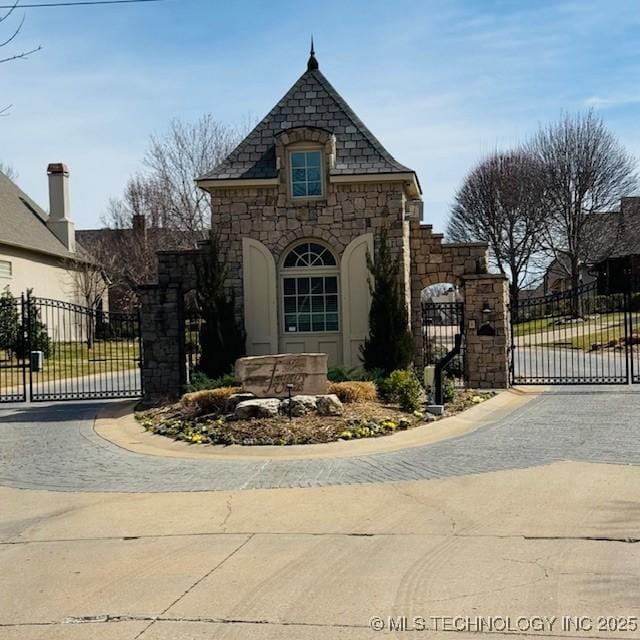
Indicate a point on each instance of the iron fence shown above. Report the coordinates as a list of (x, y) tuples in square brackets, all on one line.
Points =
[(579, 336), (12, 347), (443, 324), (55, 350)]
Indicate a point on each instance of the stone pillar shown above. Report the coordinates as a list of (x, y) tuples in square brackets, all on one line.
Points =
[(487, 327), (162, 331)]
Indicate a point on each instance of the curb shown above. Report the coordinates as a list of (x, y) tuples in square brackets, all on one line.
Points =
[(117, 425)]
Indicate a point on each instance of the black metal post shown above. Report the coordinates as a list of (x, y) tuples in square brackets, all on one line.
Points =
[(442, 365)]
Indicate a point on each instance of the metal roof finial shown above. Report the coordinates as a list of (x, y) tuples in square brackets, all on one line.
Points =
[(312, 65)]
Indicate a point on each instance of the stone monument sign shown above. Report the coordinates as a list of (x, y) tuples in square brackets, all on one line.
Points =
[(269, 376)]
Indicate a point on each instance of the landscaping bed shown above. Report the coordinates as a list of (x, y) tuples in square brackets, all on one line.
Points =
[(205, 418)]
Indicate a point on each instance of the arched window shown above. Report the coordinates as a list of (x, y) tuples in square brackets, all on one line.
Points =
[(309, 254), (310, 289)]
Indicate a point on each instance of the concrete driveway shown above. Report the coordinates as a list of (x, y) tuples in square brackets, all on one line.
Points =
[(541, 526)]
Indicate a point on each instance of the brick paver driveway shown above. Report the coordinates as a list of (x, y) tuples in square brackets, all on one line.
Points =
[(54, 447)]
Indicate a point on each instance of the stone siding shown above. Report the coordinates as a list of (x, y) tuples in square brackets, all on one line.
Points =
[(268, 215), (434, 262), (486, 304)]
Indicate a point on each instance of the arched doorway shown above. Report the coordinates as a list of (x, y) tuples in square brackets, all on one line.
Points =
[(309, 301), (442, 327)]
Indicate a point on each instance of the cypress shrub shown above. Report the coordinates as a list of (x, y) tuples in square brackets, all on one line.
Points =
[(390, 345), (222, 338)]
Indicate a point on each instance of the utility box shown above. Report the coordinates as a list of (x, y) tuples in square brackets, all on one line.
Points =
[(429, 376), (37, 361)]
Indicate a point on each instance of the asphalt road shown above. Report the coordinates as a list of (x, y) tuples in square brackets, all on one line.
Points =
[(54, 447)]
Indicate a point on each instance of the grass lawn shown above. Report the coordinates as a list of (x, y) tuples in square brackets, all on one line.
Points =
[(532, 326), (547, 324), (602, 337), (74, 360)]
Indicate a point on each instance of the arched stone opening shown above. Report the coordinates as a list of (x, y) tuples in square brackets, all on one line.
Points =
[(442, 292)]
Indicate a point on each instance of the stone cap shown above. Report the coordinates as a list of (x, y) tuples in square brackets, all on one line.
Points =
[(485, 276), (456, 245), (57, 168)]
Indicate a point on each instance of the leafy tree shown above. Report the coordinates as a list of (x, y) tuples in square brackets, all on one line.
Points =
[(9, 321), (37, 331), (390, 345), (222, 338)]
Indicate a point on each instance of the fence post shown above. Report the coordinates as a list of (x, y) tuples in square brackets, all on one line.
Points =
[(487, 330), (162, 343)]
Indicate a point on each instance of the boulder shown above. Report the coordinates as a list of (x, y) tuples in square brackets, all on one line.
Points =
[(272, 376), (300, 405), (257, 408), (234, 400), (329, 405)]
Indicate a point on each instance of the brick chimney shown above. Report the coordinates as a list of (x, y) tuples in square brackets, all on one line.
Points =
[(59, 222)]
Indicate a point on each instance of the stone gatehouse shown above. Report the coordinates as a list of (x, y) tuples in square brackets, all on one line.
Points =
[(297, 206)]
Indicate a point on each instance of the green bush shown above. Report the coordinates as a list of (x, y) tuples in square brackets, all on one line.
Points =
[(33, 326), (448, 389), (201, 381), (404, 387), (9, 321), (355, 374)]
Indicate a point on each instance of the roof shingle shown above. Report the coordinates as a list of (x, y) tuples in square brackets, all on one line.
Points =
[(311, 102), (23, 223)]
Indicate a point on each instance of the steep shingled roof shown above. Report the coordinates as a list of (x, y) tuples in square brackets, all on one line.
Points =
[(23, 223), (615, 234), (311, 102)]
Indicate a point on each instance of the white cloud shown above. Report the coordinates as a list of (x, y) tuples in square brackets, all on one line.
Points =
[(599, 102)]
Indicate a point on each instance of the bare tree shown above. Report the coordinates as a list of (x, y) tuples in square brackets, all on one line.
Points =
[(88, 281), (8, 171), (129, 245), (586, 170), (502, 203), (169, 211), (175, 159), (9, 40)]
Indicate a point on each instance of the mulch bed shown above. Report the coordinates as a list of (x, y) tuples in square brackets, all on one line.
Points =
[(360, 420)]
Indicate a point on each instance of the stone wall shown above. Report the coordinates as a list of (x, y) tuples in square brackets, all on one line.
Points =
[(487, 330), (434, 262)]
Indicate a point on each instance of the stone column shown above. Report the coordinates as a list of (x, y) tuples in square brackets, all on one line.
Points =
[(487, 329), (162, 331)]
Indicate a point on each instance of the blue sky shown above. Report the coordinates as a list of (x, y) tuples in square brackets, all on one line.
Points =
[(440, 83)]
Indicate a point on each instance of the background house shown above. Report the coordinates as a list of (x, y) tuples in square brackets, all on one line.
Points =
[(613, 243), (128, 255), (38, 251)]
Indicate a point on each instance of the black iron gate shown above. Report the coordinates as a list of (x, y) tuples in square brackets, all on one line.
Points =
[(55, 350), (13, 373), (581, 336), (443, 332)]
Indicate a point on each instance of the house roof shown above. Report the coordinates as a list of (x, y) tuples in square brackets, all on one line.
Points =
[(311, 102), (23, 223), (615, 234)]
